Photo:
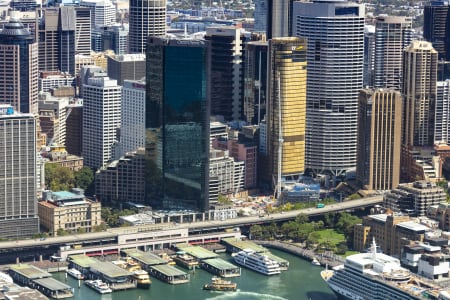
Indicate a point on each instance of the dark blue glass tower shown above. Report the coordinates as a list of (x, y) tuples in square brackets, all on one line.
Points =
[(177, 124)]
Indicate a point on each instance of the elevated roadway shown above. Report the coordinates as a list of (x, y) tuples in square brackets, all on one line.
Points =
[(113, 236)]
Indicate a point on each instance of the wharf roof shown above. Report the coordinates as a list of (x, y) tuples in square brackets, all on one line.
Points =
[(168, 270), (240, 244), (220, 264), (144, 257), (23, 293), (109, 269), (197, 251), (82, 260), (29, 271), (53, 284)]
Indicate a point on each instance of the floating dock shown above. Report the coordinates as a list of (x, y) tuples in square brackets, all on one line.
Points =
[(168, 274), (236, 245), (145, 259), (220, 267), (40, 280), (116, 277), (196, 251)]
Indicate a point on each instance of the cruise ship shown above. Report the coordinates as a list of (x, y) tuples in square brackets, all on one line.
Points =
[(257, 262), (378, 276)]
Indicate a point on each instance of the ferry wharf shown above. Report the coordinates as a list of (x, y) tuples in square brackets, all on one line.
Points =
[(40, 280), (168, 274), (220, 267), (116, 277), (145, 259), (210, 261)]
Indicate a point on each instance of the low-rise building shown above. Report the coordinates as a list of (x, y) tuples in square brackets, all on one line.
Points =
[(440, 213), (414, 198), (426, 260), (59, 155), (219, 212), (391, 232), (69, 211)]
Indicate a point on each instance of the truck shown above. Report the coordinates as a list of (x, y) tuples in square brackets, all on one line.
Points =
[(320, 205)]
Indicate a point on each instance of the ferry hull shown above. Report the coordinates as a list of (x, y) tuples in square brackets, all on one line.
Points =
[(144, 286)]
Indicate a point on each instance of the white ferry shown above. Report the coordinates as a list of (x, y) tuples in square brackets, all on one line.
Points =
[(257, 262), (377, 276), (75, 273), (99, 286)]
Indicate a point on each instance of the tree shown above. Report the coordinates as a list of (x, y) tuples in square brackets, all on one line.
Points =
[(256, 231), (84, 178), (302, 218), (58, 178), (341, 248)]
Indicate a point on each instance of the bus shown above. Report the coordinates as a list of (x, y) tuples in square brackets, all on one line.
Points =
[(320, 205)]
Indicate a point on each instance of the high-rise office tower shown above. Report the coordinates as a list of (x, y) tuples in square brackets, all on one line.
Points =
[(260, 15), (132, 130), (126, 66), (286, 107), (147, 18), (61, 33), (436, 27), (419, 91), (255, 81), (442, 113), (103, 12), (101, 120), (279, 18), (369, 55), (379, 138), (113, 37), (18, 203), (335, 34), (18, 68), (392, 35), (177, 123), (74, 128), (226, 71)]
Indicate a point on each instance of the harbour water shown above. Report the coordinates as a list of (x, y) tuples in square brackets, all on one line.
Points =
[(301, 282)]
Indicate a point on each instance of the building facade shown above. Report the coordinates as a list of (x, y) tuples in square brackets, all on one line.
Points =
[(18, 191), (419, 92), (392, 35), (126, 67), (286, 108), (379, 138), (101, 120), (68, 211), (122, 180), (52, 117), (442, 111), (103, 12), (132, 129), (335, 34), (177, 123), (436, 26), (414, 198), (146, 18), (255, 81), (18, 67), (226, 71)]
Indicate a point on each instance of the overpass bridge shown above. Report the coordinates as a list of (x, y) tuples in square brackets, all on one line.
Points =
[(155, 236)]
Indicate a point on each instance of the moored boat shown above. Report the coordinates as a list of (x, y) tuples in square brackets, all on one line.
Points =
[(75, 273), (257, 262), (99, 286), (186, 260), (315, 262), (219, 284)]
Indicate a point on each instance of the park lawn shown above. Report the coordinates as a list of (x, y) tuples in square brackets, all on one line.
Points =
[(330, 236)]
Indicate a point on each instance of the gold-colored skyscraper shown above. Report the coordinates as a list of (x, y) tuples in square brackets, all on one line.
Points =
[(286, 99), (379, 138)]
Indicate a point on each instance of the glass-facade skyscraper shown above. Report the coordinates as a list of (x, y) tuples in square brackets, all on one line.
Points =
[(177, 123)]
